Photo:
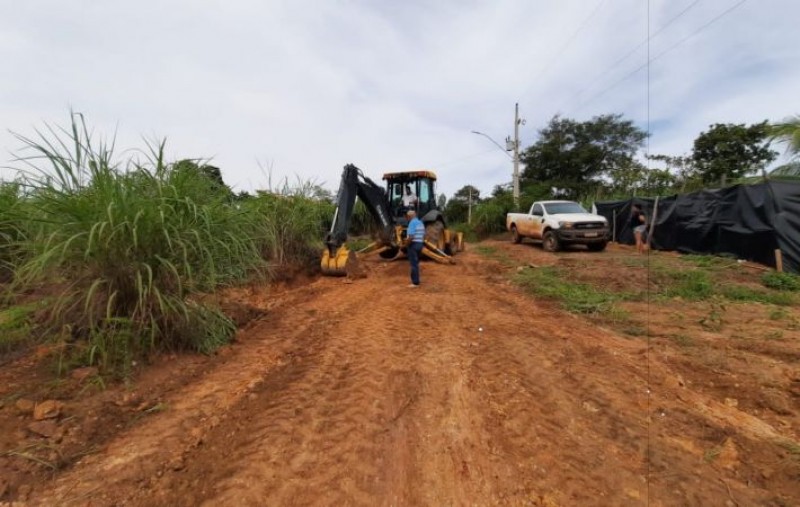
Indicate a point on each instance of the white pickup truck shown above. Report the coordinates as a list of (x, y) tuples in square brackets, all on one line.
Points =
[(559, 223)]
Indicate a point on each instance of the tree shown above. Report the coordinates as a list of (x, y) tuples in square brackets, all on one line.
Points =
[(787, 131), (730, 151), (320, 193), (627, 179), (573, 157), (658, 182), (687, 178), (458, 207), (790, 170), (212, 174)]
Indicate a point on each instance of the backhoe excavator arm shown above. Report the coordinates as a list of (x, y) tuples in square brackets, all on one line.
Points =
[(337, 256)]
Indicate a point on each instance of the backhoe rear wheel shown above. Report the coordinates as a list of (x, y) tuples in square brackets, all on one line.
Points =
[(434, 232)]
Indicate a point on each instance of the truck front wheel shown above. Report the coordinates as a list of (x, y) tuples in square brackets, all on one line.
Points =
[(550, 242), (515, 237)]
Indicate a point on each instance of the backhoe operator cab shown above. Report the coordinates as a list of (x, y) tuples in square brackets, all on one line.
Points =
[(404, 190), (412, 190)]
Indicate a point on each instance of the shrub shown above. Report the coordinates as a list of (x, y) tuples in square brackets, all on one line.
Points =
[(781, 281), (126, 251), (290, 226), (489, 217)]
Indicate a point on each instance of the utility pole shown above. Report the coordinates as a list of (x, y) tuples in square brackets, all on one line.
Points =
[(514, 146), (469, 207)]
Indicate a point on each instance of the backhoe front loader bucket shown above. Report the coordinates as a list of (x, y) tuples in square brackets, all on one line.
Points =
[(343, 262), (431, 251)]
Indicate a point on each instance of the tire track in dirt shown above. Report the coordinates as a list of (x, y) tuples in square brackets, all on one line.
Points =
[(370, 393), (348, 431), (140, 455)]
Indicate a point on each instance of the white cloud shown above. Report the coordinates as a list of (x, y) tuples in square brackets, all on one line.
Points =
[(310, 86)]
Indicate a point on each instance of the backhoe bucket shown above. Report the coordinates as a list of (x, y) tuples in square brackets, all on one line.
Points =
[(433, 252), (341, 263)]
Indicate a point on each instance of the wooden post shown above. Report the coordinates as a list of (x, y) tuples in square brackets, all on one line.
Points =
[(778, 260), (614, 228), (652, 223)]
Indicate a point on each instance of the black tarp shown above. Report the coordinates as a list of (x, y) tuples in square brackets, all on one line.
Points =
[(746, 221)]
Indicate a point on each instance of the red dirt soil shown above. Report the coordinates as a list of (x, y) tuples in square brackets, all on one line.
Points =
[(465, 391)]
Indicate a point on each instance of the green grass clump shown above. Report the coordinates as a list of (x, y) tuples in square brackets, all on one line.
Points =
[(15, 326), (126, 247), (487, 251), (706, 261), (743, 293), (692, 285), (781, 281), (492, 253), (550, 283)]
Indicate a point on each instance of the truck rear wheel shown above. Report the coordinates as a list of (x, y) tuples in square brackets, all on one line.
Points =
[(550, 242), (515, 237)]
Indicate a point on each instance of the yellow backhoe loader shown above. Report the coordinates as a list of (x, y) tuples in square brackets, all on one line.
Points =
[(388, 206)]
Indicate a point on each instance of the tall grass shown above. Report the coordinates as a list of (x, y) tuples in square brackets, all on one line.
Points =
[(288, 227), (124, 248), (13, 218), (489, 217)]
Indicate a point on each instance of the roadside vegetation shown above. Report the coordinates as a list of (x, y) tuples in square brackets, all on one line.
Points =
[(584, 289), (108, 259)]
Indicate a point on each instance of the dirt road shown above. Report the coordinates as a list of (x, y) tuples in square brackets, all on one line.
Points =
[(463, 392)]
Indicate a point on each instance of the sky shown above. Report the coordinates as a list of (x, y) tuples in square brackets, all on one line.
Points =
[(291, 91)]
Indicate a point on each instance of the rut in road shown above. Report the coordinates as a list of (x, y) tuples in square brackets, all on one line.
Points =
[(390, 403), (370, 393)]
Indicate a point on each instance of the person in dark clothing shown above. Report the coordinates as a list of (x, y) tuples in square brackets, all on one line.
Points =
[(639, 226)]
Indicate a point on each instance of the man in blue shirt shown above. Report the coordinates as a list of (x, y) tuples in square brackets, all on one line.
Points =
[(416, 237)]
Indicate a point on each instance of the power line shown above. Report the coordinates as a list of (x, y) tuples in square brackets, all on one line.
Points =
[(669, 49), (569, 41), (633, 51)]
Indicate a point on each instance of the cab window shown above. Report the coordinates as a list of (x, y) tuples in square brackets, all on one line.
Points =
[(537, 210), (424, 191), (396, 192)]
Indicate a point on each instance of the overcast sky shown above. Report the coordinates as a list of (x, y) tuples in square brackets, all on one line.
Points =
[(306, 87)]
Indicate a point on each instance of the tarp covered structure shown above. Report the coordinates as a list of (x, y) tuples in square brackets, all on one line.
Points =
[(746, 221)]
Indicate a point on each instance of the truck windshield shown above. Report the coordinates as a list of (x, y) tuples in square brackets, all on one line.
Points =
[(556, 208)]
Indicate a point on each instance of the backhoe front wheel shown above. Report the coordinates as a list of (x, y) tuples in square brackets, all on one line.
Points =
[(550, 242)]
